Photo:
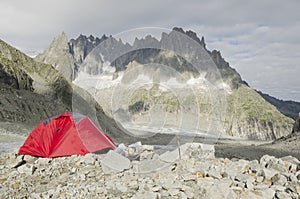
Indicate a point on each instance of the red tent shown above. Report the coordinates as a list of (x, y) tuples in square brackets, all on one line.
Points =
[(64, 135)]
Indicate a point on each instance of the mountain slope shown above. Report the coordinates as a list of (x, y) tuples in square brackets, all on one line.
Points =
[(32, 91), (288, 108)]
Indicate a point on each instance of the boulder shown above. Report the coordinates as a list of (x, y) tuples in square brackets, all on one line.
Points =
[(27, 169), (147, 195), (114, 162), (148, 166)]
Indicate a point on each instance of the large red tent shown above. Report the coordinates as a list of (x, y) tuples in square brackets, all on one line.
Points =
[(64, 135)]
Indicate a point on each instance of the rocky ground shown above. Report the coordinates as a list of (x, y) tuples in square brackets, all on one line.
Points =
[(196, 174)]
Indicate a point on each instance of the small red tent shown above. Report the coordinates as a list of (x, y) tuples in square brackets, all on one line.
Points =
[(64, 135)]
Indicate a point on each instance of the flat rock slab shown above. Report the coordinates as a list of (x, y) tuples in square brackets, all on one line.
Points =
[(147, 166), (114, 162), (172, 156)]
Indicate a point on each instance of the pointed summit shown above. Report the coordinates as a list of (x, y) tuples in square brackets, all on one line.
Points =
[(60, 42), (58, 55), (202, 42)]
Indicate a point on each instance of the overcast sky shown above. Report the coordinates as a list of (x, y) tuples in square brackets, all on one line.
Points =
[(259, 38)]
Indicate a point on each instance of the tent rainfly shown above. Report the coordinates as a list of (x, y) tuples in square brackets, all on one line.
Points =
[(65, 135)]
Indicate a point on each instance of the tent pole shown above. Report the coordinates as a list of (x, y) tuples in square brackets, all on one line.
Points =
[(178, 143)]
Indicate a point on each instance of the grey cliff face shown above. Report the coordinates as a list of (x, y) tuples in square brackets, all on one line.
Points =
[(83, 45), (17, 79)]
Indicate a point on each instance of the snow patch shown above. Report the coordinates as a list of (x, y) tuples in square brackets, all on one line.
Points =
[(102, 81)]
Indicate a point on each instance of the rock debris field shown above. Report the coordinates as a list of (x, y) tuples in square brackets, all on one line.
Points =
[(191, 172)]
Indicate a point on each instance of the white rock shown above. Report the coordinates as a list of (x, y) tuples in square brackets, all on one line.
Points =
[(254, 166), (261, 187), (155, 188), (219, 190), (43, 161), (283, 195), (133, 185), (88, 159), (148, 166), (35, 196), (250, 194), (148, 147), (27, 169), (173, 192), (183, 195), (292, 177), (114, 162), (236, 167), (278, 188), (249, 185), (170, 183), (29, 158), (259, 179), (268, 193), (271, 162), (146, 195), (267, 173), (244, 178), (73, 170), (15, 161), (214, 174), (279, 179), (290, 159), (122, 188), (146, 155), (189, 192)]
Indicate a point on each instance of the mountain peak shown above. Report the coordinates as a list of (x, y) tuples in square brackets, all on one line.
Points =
[(192, 35), (60, 42), (61, 37), (54, 55)]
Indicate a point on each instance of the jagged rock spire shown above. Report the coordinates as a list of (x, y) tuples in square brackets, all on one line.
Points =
[(192, 35)]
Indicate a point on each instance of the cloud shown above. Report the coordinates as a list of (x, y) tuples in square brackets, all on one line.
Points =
[(258, 38)]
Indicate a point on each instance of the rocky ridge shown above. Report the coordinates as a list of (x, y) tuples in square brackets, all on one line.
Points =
[(196, 174), (288, 108), (120, 54)]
